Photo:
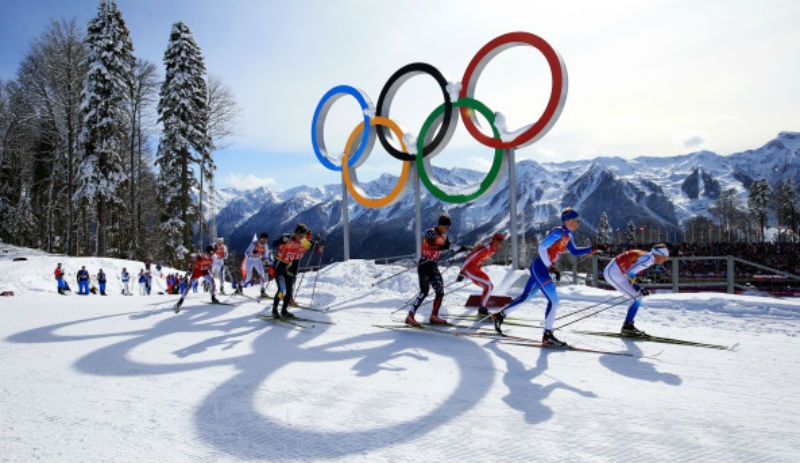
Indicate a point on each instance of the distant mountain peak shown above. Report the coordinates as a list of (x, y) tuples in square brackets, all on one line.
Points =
[(662, 190)]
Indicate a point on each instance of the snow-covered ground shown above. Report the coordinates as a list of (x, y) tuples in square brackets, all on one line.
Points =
[(99, 379)]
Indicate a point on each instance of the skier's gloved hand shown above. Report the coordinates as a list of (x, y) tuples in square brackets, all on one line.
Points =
[(463, 249), (644, 292), (460, 277), (555, 271)]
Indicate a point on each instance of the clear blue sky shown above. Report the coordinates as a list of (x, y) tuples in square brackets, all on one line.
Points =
[(645, 77)]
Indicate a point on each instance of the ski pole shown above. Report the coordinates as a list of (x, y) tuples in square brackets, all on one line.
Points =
[(395, 275), (478, 323), (593, 313), (319, 268), (299, 265), (589, 307), (431, 300)]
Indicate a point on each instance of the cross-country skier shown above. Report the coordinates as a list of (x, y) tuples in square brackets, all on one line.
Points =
[(434, 241), (220, 254), (201, 268), (621, 274), (83, 281), (471, 268), (254, 261), (287, 261), (552, 246)]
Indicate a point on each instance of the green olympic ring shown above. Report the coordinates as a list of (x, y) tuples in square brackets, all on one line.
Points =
[(423, 163)]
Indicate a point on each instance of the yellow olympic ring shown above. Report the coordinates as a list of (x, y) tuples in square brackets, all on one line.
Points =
[(349, 173)]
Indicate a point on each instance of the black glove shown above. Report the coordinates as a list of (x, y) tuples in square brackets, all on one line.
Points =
[(463, 249), (556, 272), (644, 292), (460, 277)]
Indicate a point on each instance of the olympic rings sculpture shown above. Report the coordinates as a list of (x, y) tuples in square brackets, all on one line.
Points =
[(376, 122)]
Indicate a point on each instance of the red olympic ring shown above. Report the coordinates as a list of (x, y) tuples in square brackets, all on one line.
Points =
[(558, 90)]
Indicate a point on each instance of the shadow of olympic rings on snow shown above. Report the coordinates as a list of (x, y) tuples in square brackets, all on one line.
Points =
[(228, 418)]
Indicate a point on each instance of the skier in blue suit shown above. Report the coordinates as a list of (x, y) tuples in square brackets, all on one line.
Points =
[(551, 247)]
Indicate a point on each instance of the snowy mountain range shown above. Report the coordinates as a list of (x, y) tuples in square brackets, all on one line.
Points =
[(653, 190)]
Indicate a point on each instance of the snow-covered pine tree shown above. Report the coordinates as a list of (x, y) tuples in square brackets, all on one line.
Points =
[(604, 230), (786, 205), (758, 203), (104, 100), (183, 112), (630, 233)]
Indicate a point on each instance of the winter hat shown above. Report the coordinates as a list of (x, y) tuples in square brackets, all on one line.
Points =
[(498, 237), (660, 250), (444, 219), (301, 229), (209, 249), (569, 214)]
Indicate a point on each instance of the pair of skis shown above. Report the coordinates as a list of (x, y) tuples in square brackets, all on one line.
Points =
[(464, 330), (643, 337), (294, 321)]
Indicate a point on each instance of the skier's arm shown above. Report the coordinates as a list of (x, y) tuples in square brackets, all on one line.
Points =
[(576, 251)]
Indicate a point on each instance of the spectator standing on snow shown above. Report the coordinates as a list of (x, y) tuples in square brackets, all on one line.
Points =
[(63, 287), (101, 281), (142, 283), (83, 281), (125, 277)]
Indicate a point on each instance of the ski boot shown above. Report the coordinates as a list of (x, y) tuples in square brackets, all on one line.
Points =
[(214, 300), (410, 321), (436, 320), (178, 305), (483, 311), (498, 320), (628, 329), (286, 314), (549, 340)]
